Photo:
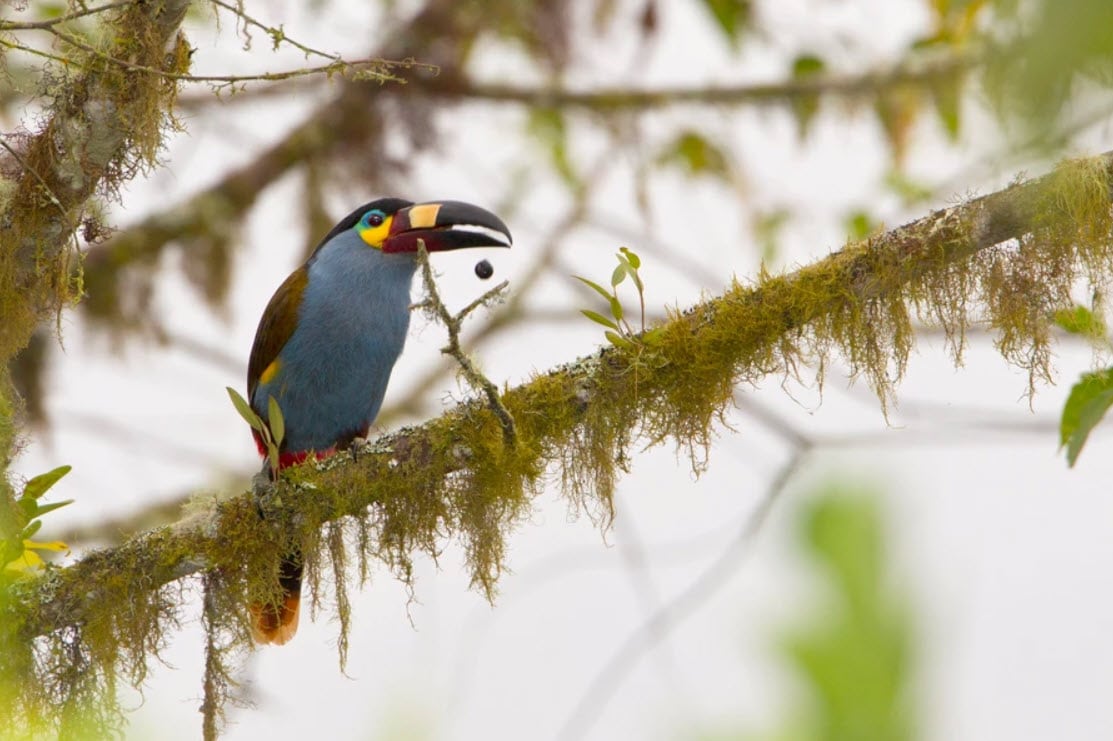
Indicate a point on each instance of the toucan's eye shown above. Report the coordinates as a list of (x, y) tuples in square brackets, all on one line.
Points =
[(373, 218)]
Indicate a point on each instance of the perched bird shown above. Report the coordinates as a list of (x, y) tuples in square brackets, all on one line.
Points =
[(329, 337)]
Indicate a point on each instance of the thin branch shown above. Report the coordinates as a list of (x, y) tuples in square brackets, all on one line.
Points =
[(348, 119), (277, 34), (782, 91), (358, 70), (452, 323), (94, 131)]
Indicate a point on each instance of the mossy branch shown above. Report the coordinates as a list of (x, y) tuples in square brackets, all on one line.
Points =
[(1012, 257), (742, 330), (106, 127)]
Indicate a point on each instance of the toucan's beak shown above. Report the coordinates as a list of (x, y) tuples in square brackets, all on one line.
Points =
[(445, 225)]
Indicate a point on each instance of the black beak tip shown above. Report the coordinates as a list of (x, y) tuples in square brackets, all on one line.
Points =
[(462, 215)]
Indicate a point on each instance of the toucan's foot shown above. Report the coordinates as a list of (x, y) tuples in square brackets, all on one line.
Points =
[(262, 486)]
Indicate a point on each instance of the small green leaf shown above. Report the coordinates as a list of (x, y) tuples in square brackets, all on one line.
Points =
[(277, 423), (244, 409), (631, 257), (619, 274), (616, 309), (1088, 402), (696, 155), (598, 318), (631, 269), (39, 485), (732, 16), (618, 340), (42, 509), (272, 456), (806, 106), (908, 189), (548, 126), (598, 288), (946, 94), (807, 64), (30, 530), (767, 228)]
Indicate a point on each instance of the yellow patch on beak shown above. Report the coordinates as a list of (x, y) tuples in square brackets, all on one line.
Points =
[(424, 216), (270, 371), (376, 235)]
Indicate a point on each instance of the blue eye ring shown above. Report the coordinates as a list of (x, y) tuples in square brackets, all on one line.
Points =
[(372, 219)]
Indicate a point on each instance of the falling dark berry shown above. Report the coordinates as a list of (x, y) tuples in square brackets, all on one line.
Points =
[(483, 270)]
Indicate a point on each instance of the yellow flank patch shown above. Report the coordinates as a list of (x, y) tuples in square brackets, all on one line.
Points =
[(270, 371), (424, 216), (376, 234)]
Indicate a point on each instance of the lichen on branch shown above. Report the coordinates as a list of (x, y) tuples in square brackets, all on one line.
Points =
[(106, 124), (1009, 260)]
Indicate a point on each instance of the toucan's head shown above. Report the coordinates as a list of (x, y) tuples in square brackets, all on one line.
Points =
[(394, 225)]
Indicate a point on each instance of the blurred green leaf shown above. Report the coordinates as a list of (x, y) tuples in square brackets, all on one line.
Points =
[(695, 155), (244, 409), (767, 232), (548, 126), (1089, 400), (31, 529), (909, 190), (732, 16), (946, 95), (619, 274), (805, 107), (598, 318), (48, 11), (1081, 321), (1053, 45), (618, 340), (595, 286), (43, 509), (859, 225), (897, 110), (854, 654), (39, 485), (631, 257)]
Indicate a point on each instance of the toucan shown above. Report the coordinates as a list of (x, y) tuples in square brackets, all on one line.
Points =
[(330, 336)]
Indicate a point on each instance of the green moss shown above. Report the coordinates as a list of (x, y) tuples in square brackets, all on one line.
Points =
[(457, 479)]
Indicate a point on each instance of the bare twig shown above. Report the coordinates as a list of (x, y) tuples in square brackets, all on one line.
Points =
[(452, 323), (610, 99)]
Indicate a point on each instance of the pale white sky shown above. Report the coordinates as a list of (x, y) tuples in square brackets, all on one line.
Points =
[(1005, 553)]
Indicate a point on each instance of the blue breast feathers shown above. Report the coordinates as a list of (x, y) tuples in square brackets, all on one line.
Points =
[(351, 327)]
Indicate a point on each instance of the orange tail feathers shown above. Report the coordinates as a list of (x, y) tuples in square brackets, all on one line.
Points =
[(277, 624)]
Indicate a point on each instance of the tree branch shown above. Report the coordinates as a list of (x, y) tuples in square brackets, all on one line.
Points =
[(782, 91), (439, 34), (100, 132), (696, 359)]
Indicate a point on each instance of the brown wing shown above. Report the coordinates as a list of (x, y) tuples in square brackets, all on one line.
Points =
[(276, 326)]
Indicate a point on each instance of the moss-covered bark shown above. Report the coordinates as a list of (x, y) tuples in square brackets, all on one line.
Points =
[(1011, 258)]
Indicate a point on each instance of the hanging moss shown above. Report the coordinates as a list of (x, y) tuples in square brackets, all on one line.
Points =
[(1011, 259)]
